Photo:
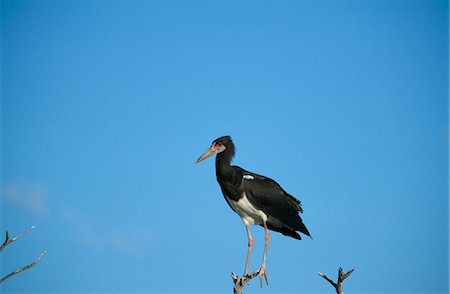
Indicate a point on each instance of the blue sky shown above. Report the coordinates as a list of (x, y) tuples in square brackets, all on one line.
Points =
[(107, 104)]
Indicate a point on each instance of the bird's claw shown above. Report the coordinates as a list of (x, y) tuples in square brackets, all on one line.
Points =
[(262, 273)]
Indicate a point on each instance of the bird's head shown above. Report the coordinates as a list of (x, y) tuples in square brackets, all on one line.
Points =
[(218, 145)]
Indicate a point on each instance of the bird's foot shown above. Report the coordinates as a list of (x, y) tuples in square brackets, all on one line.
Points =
[(262, 273)]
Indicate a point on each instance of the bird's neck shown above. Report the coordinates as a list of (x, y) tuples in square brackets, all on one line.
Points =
[(223, 162)]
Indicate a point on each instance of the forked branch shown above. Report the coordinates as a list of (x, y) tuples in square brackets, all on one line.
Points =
[(341, 278), (240, 282), (9, 241)]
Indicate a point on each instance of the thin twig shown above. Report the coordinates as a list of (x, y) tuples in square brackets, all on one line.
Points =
[(341, 278), (9, 241), (23, 268), (328, 279), (345, 276)]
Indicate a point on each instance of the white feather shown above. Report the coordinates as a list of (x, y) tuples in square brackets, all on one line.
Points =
[(248, 213)]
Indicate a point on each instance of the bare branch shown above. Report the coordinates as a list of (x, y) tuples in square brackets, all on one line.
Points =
[(341, 278), (9, 241), (240, 282), (345, 276), (23, 268), (328, 279)]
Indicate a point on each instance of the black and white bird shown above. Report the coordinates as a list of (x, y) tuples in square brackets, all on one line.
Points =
[(258, 200)]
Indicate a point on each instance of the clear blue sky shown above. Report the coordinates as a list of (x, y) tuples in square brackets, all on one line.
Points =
[(107, 104)]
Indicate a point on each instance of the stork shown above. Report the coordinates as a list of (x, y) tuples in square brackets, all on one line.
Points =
[(258, 200)]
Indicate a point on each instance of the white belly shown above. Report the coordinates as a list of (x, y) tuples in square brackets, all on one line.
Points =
[(248, 213)]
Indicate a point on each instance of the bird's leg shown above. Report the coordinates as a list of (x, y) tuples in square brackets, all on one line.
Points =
[(262, 271), (250, 247)]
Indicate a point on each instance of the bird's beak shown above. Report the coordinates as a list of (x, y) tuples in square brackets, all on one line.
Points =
[(214, 149), (210, 152)]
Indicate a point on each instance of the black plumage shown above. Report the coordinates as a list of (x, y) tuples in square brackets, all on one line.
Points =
[(255, 198)]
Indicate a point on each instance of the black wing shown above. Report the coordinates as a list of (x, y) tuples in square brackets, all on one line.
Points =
[(267, 195)]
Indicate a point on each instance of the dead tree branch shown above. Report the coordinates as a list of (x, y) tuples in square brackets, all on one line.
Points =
[(240, 282), (341, 278), (23, 268), (9, 241)]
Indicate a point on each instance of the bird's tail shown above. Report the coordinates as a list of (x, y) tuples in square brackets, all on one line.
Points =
[(302, 228)]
